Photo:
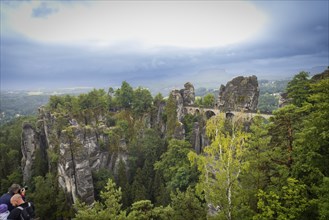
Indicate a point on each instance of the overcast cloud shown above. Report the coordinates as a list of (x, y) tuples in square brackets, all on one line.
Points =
[(48, 44)]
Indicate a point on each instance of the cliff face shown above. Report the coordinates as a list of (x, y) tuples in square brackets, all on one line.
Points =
[(241, 93), (81, 151), (29, 147), (75, 148), (188, 94)]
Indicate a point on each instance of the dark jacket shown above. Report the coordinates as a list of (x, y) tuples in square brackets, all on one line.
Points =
[(15, 214), (5, 199)]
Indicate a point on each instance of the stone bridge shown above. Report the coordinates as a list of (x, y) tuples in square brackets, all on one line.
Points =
[(209, 112)]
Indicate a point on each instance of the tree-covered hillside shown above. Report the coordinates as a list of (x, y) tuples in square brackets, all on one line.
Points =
[(250, 169), (14, 104)]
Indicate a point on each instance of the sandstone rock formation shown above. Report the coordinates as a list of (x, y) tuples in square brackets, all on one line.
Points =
[(199, 137), (29, 146), (81, 152), (283, 100), (75, 148), (184, 97), (241, 93), (179, 104), (188, 94)]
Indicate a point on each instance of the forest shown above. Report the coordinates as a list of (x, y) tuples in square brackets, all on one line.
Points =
[(22, 103), (257, 169)]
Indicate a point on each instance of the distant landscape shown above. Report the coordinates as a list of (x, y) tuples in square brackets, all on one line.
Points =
[(17, 103)]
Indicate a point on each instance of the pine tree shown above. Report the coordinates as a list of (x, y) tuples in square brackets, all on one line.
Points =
[(187, 206), (257, 158), (175, 166), (298, 88), (122, 182), (138, 189), (288, 203), (110, 208)]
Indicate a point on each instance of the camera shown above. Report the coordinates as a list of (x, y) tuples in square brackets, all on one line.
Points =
[(22, 190)]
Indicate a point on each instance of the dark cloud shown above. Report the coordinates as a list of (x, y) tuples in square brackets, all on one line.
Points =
[(296, 39)]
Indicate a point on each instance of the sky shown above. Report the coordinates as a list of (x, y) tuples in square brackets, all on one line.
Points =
[(158, 44)]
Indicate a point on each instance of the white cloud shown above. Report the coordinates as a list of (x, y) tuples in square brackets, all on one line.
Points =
[(182, 23)]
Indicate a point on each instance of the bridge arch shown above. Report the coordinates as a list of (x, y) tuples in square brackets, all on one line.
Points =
[(209, 114), (229, 115)]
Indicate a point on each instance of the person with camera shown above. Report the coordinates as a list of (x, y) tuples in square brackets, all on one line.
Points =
[(23, 211), (13, 189)]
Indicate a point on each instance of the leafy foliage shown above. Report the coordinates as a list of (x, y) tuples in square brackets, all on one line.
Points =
[(298, 88), (45, 188), (288, 204), (175, 166), (186, 205), (110, 208), (221, 166), (171, 116), (10, 152), (276, 169)]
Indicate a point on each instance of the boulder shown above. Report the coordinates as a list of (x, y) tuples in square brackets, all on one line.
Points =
[(188, 94), (241, 93)]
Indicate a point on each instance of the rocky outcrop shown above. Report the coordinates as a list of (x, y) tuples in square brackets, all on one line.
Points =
[(284, 100), (29, 147), (77, 151), (179, 132), (241, 93), (199, 139), (74, 166), (74, 148), (179, 104), (183, 97), (188, 94)]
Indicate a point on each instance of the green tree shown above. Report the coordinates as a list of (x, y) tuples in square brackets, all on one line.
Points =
[(186, 205), (289, 203), (160, 192), (221, 166), (93, 105), (122, 181), (175, 166), (282, 128), (171, 116), (268, 102), (323, 192), (189, 123), (110, 208), (143, 210), (100, 179), (312, 139), (45, 188), (10, 152), (125, 95), (258, 159), (158, 99), (298, 88), (138, 190), (311, 158), (142, 101), (209, 100)]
